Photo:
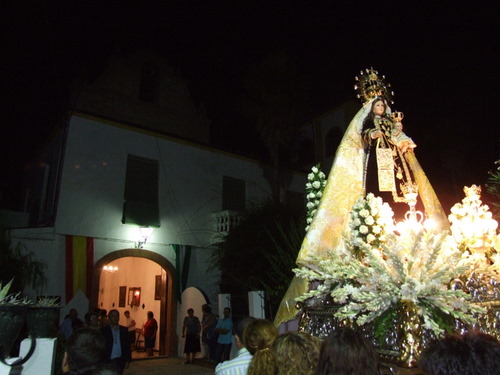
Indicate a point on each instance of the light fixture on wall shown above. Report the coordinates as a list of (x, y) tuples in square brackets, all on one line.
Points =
[(145, 234), (110, 268), (134, 296)]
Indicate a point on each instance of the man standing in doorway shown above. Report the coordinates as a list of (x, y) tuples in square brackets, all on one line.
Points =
[(117, 342), (130, 324), (224, 328)]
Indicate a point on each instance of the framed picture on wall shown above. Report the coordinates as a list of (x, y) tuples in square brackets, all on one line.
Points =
[(122, 297), (157, 287), (134, 296)]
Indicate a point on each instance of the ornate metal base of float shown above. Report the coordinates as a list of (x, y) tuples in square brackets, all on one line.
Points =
[(400, 348)]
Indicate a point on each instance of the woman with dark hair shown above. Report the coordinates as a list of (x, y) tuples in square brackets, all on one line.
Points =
[(347, 352), (86, 352), (468, 354), (191, 329), (208, 335), (149, 332)]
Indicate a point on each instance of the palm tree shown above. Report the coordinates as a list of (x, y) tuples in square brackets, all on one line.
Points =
[(276, 101), (19, 264), (260, 253)]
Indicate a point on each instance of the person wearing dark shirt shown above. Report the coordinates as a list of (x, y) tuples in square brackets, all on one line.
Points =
[(117, 342)]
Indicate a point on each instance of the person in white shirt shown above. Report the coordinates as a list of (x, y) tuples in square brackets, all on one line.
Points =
[(131, 325), (239, 364)]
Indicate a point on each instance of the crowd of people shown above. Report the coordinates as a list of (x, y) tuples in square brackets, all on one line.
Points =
[(347, 352), (101, 346)]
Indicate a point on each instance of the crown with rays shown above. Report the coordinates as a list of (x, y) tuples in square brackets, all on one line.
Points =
[(369, 84)]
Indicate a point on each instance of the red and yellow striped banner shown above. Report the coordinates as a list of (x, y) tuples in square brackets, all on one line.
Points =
[(79, 265)]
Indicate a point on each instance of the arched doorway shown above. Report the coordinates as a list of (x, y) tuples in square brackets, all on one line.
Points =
[(163, 289)]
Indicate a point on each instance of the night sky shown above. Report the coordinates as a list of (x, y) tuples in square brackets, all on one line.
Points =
[(442, 62)]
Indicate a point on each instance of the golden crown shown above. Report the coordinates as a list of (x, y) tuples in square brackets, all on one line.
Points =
[(369, 84)]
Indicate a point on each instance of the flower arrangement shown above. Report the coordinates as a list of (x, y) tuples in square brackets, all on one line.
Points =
[(314, 187), (471, 221), (370, 221), (415, 269), (380, 270)]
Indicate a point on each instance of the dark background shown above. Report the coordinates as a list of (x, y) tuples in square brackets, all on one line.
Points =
[(441, 60)]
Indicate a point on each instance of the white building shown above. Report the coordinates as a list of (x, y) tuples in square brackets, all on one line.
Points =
[(107, 173)]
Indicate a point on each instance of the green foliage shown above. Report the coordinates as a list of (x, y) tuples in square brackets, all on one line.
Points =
[(17, 263), (385, 323), (4, 290), (260, 253), (13, 298), (276, 100), (493, 190), (48, 302), (445, 321)]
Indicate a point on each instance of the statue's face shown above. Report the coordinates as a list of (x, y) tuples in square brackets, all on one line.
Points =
[(378, 108)]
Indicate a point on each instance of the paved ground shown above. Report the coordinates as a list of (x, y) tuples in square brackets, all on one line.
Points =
[(168, 366)]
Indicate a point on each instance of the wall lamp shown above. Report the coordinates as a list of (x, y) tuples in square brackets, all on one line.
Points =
[(145, 234)]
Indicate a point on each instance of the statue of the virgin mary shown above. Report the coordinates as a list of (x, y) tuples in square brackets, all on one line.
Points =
[(349, 179)]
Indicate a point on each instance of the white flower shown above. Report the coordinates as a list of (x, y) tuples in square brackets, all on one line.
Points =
[(315, 170), (308, 185), (311, 196), (363, 229), (321, 175), (364, 213), (369, 220), (370, 238), (316, 184), (319, 194), (310, 176), (356, 222), (323, 183), (376, 229), (309, 220), (310, 205)]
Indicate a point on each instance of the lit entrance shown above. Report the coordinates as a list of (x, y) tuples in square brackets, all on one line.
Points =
[(139, 281)]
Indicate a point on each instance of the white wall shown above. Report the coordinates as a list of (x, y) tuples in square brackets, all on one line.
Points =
[(92, 189), (190, 187)]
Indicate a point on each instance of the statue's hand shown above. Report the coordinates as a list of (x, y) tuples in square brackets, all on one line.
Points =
[(375, 134), (403, 146)]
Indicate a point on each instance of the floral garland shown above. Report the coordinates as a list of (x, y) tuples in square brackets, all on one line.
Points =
[(385, 277), (314, 188), (380, 270)]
